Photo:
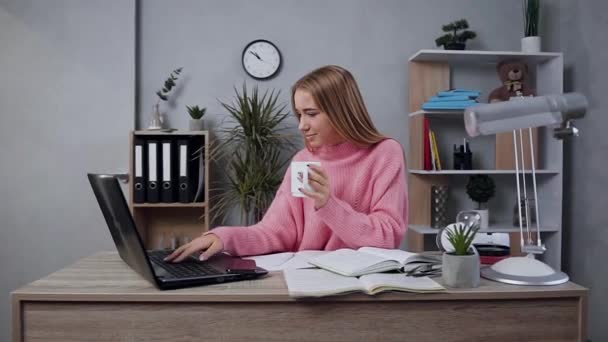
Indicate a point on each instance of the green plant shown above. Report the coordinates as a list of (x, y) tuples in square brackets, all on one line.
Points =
[(461, 237), (195, 112), (256, 150), (531, 17), (163, 94), (480, 189), (454, 37)]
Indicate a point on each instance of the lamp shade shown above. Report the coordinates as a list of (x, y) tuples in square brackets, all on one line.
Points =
[(524, 112)]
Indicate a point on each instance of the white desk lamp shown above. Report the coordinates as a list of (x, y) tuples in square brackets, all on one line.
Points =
[(515, 115)]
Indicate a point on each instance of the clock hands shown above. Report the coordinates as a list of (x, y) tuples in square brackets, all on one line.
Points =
[(256, 55)]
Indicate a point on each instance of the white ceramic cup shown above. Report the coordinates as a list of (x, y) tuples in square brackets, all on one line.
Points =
[(299, 177)]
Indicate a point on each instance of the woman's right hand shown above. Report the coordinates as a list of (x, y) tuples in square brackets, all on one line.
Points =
[(210, 244)]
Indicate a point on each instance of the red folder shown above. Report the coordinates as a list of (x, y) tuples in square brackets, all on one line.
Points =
[(427, 146)]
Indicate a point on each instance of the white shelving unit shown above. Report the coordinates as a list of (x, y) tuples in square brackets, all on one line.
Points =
[(431, 71)]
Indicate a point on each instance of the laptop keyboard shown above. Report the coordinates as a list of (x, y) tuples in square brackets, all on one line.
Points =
[(184, 269)]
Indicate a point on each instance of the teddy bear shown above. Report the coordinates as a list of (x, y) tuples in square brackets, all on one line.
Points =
[(513, 73)]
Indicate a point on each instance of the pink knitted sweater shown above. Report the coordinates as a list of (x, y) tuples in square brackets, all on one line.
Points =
[(367, 206)]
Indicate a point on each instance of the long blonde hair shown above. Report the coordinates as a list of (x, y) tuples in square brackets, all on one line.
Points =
[(335, 91)]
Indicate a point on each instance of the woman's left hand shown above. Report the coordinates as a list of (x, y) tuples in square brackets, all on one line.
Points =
[(319, 183)]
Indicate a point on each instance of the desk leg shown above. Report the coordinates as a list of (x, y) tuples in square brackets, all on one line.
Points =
[(17, 319), (582, 318)]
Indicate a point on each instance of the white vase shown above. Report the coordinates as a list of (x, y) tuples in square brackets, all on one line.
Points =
[(460, 270), (530, 44), (156, 120), (196, 125), (485, 218)]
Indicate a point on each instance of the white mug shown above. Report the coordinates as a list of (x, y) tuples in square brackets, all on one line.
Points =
[(299, 177)]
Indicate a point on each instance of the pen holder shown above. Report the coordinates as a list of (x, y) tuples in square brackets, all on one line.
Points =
[(463, 160)]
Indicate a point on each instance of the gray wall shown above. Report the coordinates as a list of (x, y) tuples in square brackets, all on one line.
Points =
[(579, 33), (66, 105), (373, 39)]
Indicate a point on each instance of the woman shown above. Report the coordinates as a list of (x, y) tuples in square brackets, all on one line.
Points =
[(357, 197)]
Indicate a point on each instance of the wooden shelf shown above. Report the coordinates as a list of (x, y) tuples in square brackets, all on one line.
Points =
[(476, 57), (170, 205), (444, 114), (156, 220), (432, 71), (505, 227), (179, 132), (475, 172)]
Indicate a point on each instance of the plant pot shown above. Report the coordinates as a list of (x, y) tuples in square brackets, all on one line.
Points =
[(485, 218), (460, 270), (196, 124), (530, 44), (455, 46)]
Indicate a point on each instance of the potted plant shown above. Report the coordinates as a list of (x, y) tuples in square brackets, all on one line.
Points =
[(480, 189), (256, 149), (531, 41), (156, 122), (196, 117), (460, 262), (453, 39)]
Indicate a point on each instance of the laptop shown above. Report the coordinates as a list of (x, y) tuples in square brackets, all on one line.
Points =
[(149, 264)]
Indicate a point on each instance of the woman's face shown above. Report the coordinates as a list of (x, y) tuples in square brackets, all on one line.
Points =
[(314, 124)]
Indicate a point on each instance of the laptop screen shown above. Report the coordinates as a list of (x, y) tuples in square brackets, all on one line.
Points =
[(120, 222)]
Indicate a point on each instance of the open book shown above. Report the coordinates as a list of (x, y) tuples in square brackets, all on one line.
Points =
[(365, 260), (319, 283), (286, 260)]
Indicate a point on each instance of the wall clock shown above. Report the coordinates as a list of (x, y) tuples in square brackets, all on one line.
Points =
[(261, 59)]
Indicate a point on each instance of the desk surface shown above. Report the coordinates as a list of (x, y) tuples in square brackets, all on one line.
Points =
[(105, 277), (100, 298)]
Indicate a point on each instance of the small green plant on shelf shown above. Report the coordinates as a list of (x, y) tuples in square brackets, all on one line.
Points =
[(480, 189), (531, 17), (156, 122), (195, 112), (456, 36), (461, 237), (196, 115)]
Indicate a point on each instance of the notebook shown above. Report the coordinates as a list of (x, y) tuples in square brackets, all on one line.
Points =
[(366, 260), (319, 283)]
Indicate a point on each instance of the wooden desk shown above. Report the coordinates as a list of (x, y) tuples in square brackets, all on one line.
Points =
[(101, 299)]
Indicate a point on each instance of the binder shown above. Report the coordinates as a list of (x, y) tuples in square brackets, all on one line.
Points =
[(167, 191), (139, 167), (198, 163), (152, 192), (185, 191)]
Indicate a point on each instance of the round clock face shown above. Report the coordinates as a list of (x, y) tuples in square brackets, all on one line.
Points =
[(261, 59)]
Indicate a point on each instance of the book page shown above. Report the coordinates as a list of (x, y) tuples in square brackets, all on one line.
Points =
[(378, 282), (300, 260), (271, 262), (349, 262), (318, 283), (390, 254), (404, 257)]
